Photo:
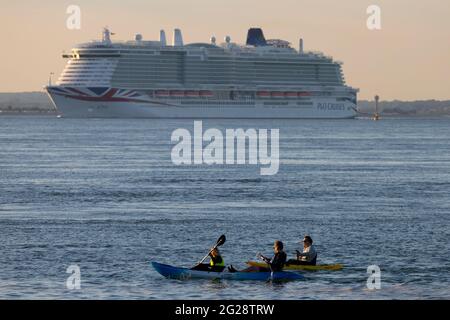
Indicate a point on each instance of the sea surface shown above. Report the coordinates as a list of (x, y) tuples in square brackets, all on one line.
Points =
[(104, 195)]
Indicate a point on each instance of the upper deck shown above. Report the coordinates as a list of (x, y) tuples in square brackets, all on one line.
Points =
[(144, 64)]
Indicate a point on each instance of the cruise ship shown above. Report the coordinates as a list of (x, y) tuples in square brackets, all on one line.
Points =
[(263, 78)]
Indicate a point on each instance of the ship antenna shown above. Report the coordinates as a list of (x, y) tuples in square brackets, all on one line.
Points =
[(50, 79), (177, 38), (300, 46), (162, 37)]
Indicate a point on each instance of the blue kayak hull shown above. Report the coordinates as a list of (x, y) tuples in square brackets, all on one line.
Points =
[(172, 272)]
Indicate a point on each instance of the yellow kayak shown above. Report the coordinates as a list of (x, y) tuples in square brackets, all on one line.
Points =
[(328, 267)]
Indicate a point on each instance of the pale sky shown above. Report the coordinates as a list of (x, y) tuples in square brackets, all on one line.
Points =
[(408, 59)]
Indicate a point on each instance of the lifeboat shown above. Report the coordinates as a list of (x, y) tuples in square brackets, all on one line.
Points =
[(191, 93), (162, 93), (277, 94), (206, 94), (177, 93), (291, 94), (263, 94)]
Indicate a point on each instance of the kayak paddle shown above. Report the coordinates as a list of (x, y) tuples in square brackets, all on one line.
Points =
[(266, 260), (219, 242)]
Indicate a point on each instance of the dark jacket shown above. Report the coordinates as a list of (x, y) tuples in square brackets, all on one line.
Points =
[(278, 261)]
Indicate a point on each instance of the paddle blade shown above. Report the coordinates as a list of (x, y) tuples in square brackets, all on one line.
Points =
[(221, 240)]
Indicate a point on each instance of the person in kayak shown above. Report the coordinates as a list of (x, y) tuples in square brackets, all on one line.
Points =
[(278, 260), (308, 256), (216, 262), (275, 264)]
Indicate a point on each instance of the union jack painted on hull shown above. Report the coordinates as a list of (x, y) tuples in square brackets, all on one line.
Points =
[(100, 94)]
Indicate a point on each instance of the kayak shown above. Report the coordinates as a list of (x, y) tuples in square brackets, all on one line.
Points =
[(172, 272), (293, 267)]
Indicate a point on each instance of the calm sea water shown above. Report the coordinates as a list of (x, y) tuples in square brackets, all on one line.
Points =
[(104, 195)]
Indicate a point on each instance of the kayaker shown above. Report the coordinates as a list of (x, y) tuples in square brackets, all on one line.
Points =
[(309, 254), (216, 262), (275, 264), (278, 260)]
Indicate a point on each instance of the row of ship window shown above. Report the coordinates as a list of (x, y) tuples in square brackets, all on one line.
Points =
[(237, 103)]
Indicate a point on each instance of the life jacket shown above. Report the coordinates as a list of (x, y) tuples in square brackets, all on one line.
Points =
[(217, 262)]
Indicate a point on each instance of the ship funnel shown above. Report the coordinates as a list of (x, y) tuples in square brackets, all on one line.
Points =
[(255, 37), (300, 46), (177, 38), (162, 38)]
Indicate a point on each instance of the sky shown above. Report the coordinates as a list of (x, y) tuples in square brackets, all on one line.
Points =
[(407, 59)]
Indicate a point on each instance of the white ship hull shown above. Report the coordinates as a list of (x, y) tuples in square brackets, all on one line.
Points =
[(320, 108)]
